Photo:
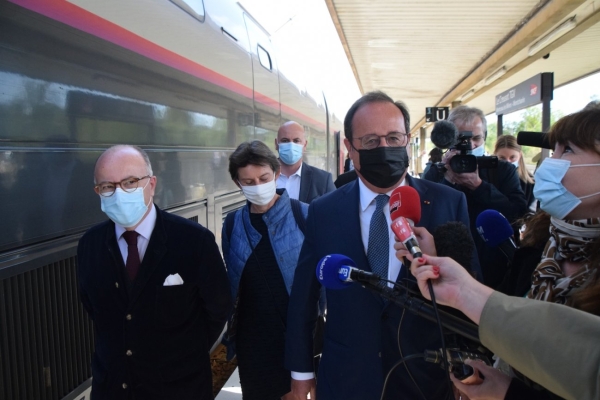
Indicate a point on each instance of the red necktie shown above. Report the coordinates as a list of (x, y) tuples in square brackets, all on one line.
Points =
[(133, 256)]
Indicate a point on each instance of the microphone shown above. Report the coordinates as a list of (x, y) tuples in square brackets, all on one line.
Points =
[(534, 139), (335, 271), (444, 134), (454, 240), (496, 231), (405, 209)]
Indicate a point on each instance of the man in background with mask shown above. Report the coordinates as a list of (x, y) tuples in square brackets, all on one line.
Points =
[(154, 285), (302, 181), (494, 188), (362, 330)]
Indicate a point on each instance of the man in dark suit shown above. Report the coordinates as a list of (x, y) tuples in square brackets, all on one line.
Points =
[(155, 286), (302, 181), (363, 332)]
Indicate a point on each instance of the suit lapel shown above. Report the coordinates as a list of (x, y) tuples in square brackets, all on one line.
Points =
[(305, 182), (155, 252)]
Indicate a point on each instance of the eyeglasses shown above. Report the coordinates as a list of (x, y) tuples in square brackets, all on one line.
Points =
[(394, 139), (128, 185)]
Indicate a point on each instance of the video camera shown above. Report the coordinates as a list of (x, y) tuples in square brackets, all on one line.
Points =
[(445, 135)]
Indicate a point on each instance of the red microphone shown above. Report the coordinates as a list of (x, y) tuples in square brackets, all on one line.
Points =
[(405, 210)]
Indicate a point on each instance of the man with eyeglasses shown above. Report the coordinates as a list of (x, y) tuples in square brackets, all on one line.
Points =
[(154, 285), (487, 188), (365, 335), (302, 181)]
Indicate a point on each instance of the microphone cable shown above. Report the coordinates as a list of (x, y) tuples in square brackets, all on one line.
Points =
[(439, 323), (402, 361)]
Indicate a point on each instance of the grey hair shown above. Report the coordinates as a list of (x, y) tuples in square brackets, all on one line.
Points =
[(466, 115)]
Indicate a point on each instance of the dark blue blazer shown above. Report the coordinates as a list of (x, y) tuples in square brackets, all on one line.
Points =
[(314, 183), (362, 331), (153, 341)]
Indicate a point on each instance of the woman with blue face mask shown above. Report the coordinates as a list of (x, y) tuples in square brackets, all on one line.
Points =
[(261, 243), (566, 233), (507, 149)]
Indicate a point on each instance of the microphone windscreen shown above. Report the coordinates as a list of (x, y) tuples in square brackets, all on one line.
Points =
[(454, 240), (328, 271), (493, 227), (534, 139), (405, 202), (444, 134)]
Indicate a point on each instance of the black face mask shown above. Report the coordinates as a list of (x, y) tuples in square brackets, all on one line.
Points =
[(383, 167)]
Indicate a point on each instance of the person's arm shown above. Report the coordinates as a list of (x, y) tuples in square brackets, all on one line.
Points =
[(302, 316), (214, 290), (552, 344), (508, 198)]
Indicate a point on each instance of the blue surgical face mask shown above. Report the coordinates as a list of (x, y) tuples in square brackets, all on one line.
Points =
[(478, 151), (516, 164), (125, 209), (290, 153), (554, 198)]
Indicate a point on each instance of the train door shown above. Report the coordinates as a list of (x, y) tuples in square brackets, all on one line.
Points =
[(267, 108)]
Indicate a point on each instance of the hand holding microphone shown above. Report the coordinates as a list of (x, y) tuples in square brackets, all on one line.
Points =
[(452, 285)]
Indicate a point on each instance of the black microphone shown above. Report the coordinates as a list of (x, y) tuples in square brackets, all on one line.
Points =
[(496, 231), (444, 134), (534, 139), (454, 240), (334, 271)]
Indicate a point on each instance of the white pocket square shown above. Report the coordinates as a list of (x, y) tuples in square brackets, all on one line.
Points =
[(173, 280)]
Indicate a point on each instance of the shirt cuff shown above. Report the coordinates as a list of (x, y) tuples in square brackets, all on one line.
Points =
[(302, 376)]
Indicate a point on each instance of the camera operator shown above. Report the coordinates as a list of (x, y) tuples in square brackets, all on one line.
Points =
[(486, 188)]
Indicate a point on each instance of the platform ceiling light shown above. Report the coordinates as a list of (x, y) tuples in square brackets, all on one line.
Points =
[(467, 94), (496, 75), (553, 35)]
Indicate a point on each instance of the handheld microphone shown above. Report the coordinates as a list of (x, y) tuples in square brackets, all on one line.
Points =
[(336, 271), (444, 134), (405, 208), (534, 139), (496, 231)]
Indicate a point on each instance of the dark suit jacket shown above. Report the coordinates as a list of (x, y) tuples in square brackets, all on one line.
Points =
[(361, 332), (500, 190), (344, 178), (314, 182), (169, 330)]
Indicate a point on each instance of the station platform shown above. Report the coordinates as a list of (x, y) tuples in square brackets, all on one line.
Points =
[(232, 390)]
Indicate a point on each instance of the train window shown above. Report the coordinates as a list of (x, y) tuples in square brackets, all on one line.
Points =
[(265, 58), (193, 7)]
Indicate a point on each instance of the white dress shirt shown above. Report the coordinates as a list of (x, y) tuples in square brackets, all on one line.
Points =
[(291, 184), (144, 229)]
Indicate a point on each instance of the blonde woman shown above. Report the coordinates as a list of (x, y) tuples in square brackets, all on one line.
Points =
[(507, 149)]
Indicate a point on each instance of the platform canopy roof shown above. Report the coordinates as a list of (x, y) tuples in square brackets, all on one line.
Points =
[(437, 52)]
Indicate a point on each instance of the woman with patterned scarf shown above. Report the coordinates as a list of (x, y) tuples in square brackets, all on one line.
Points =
[(568, 188)]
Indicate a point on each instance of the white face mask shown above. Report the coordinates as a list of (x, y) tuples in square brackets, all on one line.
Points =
[(516, 164), (261, 194)]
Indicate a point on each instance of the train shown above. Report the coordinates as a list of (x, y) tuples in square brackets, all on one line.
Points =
[(187, 81)]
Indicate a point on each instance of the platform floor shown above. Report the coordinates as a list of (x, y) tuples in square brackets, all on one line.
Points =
[(232, 390)]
